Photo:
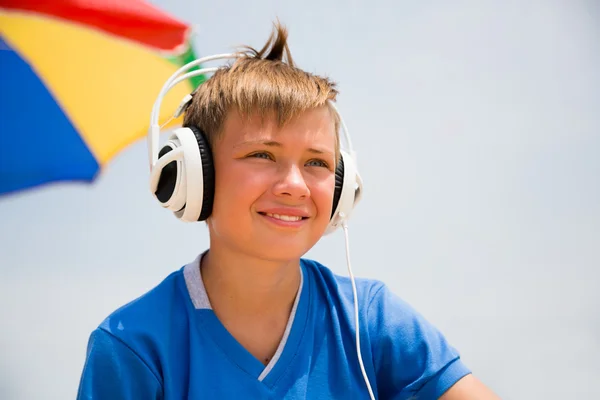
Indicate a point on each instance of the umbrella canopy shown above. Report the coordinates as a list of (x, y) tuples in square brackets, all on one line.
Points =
[(78, 81)]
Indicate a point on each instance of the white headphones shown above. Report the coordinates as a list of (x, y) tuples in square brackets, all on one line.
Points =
[(182, 176)]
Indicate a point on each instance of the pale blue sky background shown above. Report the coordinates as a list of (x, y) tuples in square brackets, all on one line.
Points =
[(477, 125)]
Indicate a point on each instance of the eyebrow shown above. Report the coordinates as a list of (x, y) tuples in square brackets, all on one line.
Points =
[(271, 143)]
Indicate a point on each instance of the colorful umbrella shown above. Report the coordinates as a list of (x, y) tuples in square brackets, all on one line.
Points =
[(78, 81)]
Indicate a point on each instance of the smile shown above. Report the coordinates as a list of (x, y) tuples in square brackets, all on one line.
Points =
[(284, 220), (285, 217)]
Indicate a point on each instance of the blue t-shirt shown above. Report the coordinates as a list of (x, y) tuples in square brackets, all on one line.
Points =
[(168, 344)]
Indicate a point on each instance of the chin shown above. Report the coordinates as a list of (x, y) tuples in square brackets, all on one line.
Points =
[(280, 251), (280, 247), (272, 244)]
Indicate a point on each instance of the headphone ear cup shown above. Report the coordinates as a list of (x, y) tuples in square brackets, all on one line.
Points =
[(347, 193), (168, 178), (339, 185), (183, 179), (208, 173)]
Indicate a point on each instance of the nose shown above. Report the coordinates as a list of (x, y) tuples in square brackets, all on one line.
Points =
[(291, 183)]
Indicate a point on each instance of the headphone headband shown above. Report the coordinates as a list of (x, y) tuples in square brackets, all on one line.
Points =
[(177, 77), (154, 131)]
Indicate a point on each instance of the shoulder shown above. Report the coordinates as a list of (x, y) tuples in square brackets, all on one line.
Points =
[(144, 325), (378, 304), (125, 352), (148, 312), (411, 357), (340, 287), (376, 300)]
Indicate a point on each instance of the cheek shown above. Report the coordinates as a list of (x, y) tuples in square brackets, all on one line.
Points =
[(322, 194), (237, 185)]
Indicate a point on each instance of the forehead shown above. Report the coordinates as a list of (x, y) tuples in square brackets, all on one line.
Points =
[(314, 125)]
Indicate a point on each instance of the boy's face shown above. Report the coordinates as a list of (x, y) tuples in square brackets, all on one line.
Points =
[(274, 186)]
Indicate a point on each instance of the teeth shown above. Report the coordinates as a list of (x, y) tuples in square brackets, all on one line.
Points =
[(285, 217)]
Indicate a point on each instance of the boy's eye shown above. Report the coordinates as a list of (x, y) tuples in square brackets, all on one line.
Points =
[(268, 156), (261, 154), (318, 163)]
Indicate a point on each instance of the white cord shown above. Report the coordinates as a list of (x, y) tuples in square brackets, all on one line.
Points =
[(360, 361)]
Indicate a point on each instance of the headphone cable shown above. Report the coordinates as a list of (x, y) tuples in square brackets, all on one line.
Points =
[(356, 320)]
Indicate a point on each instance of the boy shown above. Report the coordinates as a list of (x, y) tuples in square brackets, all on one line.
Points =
[(249, 317)]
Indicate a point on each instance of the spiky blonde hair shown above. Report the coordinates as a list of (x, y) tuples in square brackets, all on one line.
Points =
[(264, 82)]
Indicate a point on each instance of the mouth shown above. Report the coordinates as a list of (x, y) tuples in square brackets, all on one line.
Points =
[(283, 217)]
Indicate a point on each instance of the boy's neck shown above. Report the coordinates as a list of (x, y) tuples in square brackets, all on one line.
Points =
[(248, 285)]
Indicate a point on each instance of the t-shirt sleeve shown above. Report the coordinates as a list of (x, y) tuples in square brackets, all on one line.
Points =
[(412, 358), (113, 371)]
